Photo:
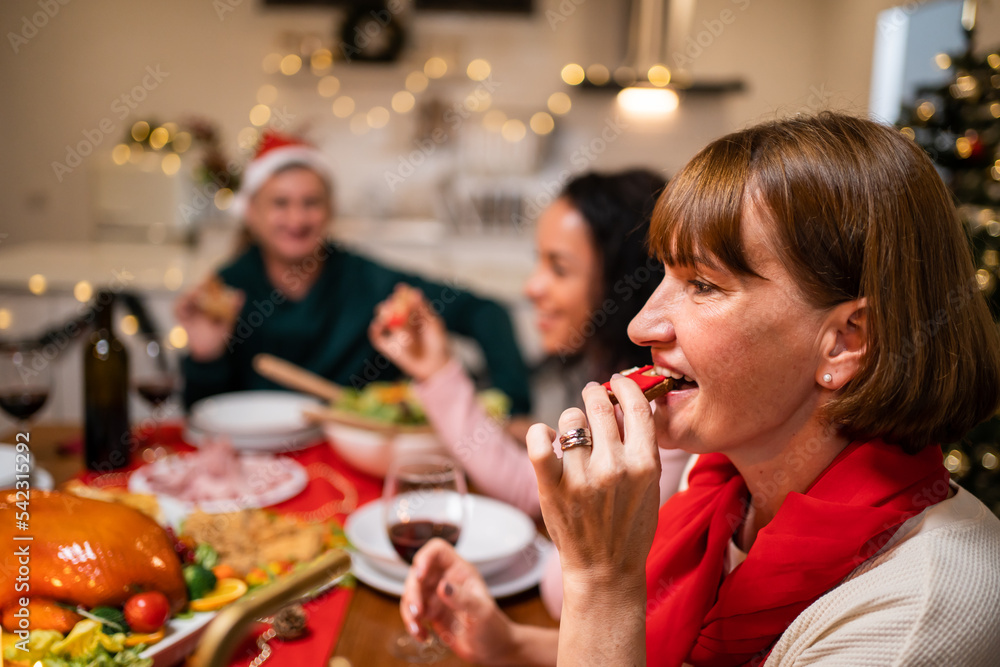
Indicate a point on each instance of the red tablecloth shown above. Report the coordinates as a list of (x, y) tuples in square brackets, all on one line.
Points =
[(334, 490)]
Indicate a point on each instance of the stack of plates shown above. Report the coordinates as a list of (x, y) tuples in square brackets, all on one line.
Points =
[(11, 461), (263, 421), (500, 540)]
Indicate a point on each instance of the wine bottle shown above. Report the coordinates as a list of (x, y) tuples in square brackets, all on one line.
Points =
[(105, 395)]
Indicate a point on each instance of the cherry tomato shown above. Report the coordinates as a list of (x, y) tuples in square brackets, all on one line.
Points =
[(147, 612)]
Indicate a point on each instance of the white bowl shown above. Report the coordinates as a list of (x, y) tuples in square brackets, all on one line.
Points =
[(372, 451), (494, 536)]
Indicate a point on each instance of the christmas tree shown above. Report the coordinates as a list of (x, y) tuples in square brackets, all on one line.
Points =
[(958, 124)]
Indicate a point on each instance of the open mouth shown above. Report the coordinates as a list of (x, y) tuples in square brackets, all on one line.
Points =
[(681, 381)]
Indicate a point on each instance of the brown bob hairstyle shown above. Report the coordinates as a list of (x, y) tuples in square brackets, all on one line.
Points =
[(857, 211)]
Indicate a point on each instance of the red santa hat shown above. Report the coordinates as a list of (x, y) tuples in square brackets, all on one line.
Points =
[(274, 153)]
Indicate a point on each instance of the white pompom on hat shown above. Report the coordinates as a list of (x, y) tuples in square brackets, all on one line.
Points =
[(274, 153)]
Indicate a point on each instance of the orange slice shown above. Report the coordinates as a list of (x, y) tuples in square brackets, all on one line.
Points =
[(225, 591), (135, 639)]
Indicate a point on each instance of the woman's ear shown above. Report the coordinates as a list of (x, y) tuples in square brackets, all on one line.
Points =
[(844, 342)]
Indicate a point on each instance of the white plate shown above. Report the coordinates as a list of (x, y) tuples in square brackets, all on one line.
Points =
[(288, 442), (253, 413), (493, 535), (523, 573), (182, 635), (259, 467)]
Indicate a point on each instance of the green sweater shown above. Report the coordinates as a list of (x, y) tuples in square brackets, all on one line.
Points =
[(327, 331)]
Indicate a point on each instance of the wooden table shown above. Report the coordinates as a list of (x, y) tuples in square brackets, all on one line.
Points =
[(372, 617)]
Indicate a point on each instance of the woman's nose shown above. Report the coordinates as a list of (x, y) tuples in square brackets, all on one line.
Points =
[(654, 324), (534, 286)]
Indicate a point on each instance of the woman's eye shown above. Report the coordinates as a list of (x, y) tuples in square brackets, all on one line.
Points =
[(701, 288)]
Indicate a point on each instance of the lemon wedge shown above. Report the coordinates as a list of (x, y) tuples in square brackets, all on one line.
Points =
[(225, 591)]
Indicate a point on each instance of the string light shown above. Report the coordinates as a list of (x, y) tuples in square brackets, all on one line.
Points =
[(343, 107), (573, 74), (513, 130), (378, 117), (129, 325), (173, 278), (170, 164), (403, 101), (140, 130), (37, 284), (478, 70), (542, 123), (559, 103), (120, 154), (181, 142), (291, 64), (83, 291), (328, 86), (260, 114), (416, 82), (658, 75), (598, 74), (435, 67)]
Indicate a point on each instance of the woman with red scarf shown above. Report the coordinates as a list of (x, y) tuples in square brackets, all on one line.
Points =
[(820, 304)]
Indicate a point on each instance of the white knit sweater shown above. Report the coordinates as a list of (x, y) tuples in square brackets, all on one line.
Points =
[(930, 597)]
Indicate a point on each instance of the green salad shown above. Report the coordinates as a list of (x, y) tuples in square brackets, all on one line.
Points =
[(396, 403)]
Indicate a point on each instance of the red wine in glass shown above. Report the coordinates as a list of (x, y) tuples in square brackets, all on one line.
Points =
[(423, 498), (156, 393), (22, 403), (407, 538)]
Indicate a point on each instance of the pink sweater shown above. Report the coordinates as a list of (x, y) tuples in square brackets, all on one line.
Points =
[(498, 464)]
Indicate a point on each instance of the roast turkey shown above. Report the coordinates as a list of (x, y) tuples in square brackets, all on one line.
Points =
[(84, 552)]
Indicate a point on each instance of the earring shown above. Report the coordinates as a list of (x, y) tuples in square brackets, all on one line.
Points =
[(827, 378)]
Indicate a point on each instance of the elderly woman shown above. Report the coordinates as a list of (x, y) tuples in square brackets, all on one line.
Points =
[(300, 297), (819, 301)]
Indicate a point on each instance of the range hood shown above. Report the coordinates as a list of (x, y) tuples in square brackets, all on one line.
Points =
[(656, 33)]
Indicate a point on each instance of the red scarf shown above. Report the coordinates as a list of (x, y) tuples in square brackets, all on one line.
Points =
[(816, 539)]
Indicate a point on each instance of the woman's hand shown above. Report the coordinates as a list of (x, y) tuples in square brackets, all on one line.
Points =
[(207, 336), (600, 506), (448, 594), (410, 334)]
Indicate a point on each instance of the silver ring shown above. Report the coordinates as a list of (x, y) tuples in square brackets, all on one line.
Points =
[(577, 437)]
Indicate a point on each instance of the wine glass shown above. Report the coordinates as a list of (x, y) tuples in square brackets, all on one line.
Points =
[(423, 498), (155, 380), (25, 380)]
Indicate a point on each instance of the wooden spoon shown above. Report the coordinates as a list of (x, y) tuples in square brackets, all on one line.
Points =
[(295, 377)]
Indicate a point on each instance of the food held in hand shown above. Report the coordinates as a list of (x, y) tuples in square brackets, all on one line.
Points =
[(652, 384), (90, 553), (400, 305), (217, 301)]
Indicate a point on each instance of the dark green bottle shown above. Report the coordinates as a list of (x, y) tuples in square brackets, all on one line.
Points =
[(105, 394)]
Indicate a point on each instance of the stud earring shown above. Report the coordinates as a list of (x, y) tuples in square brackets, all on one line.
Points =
[(827, 378)]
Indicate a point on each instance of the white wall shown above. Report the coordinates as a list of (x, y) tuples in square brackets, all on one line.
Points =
[(794, 56)]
